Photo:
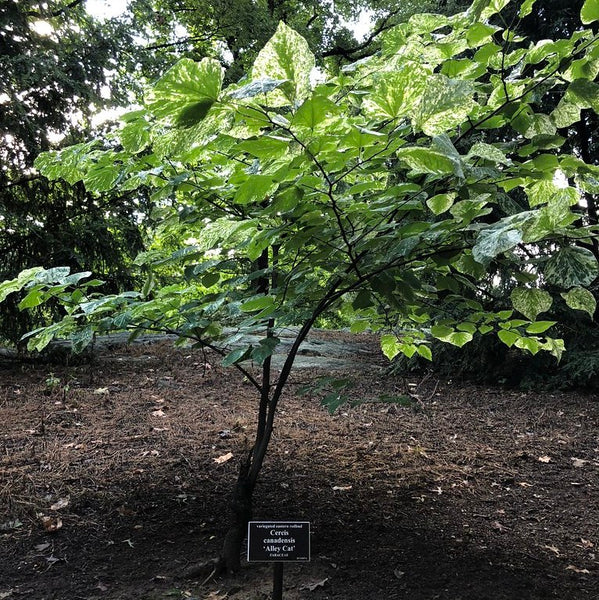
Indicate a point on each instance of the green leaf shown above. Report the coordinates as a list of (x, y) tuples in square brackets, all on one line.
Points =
[(259, 303), (40, 338), (210, 279), (584, 94), (265, 348), (135, 136), (445, 104), (530, 344), (580, 299), (286, 56), (390, 346), (546, 192), (15, 285), (425, 352), (555, 347), (359, 326), (425, 160), (526, 8), (494, 241), (186, 91), (101, 177), (82, 338), (479, 33), (333, 400), (34, 298), (255, 189), (565, 114), (427, 22), (539, 326), (237, 356), (571, 266), (259, 86), (490, 153), (449, 335), (397, 93), (589, 11), (264, 147), (314, 111), (509, 338), (441, 202), (531, 301)]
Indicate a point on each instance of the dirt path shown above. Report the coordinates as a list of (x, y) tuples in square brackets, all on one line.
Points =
[(114, 482)]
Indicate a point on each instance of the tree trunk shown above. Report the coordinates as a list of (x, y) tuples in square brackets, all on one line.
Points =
[(241, 512)]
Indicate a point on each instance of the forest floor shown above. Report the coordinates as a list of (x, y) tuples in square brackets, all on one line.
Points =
[(115, 478)]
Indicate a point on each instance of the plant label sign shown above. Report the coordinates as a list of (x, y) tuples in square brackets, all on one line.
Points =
[(278, 541)]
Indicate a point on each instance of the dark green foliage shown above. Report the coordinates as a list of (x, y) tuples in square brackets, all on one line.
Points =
[(486, 360), (51, 85)]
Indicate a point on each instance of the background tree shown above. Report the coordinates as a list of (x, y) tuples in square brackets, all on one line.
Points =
[(60, 68)]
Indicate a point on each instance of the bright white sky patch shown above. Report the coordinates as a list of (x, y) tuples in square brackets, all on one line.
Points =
[(42, 28), (106, 9), (362, 26), (559, 179)]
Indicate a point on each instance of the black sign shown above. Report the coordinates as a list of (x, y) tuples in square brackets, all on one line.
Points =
[(278, 541)]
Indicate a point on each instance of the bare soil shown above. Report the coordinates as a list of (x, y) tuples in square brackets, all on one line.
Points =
[(115, 478)]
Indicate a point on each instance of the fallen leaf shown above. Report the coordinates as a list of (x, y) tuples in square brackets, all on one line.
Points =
[(312, 586), (102, 587), (215, 596), (125, 512), (545, 459), (399, 574), (223, 459), (42, 547), (577, 570), (158, 413), (102, 391), (5, 594), (150, 453), (61, 503), (578, 462), (553, 549), (51, 524), (341, 488), (524, 484), (498, 526), (586, 544)]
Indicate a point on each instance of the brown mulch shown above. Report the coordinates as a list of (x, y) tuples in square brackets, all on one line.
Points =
[(110, 487)]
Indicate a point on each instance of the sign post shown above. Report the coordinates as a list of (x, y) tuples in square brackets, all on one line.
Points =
[(278, 542)]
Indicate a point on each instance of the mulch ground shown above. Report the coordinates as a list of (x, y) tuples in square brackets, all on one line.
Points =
[(115, 478)]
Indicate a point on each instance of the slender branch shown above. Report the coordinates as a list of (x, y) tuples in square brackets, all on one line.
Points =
[(383, 25), (203, 343), (57, 13)]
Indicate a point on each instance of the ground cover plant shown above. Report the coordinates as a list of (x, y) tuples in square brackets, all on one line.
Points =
[(391, 194)]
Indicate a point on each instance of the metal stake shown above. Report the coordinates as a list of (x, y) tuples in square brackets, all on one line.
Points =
[(277, 581)]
